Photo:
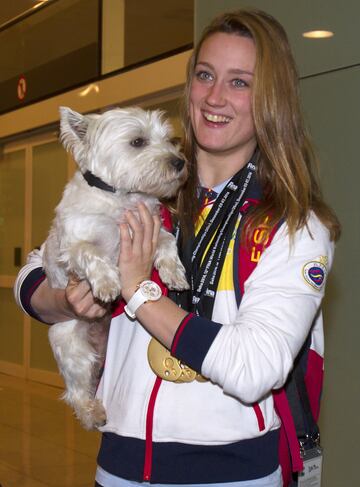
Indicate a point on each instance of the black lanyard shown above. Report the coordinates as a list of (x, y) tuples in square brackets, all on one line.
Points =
[(204, 255)]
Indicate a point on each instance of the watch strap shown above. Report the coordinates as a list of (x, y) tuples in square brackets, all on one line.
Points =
[(136, 300), (140, 297)]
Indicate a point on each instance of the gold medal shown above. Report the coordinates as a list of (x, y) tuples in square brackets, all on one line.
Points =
[(162, 363), (200, 378), (187, 374), (169, 368)]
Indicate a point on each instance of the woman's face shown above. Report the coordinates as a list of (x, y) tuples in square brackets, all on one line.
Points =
[(220, 95)]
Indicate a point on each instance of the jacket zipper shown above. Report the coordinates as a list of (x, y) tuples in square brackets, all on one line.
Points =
[(150, 422), (149, 430)]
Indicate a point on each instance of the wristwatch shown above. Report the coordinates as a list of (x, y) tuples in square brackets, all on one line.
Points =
[(147, 291)]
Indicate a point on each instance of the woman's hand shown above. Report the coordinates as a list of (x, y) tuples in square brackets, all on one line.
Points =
[(81, 302), (75, 301), (138, 242)]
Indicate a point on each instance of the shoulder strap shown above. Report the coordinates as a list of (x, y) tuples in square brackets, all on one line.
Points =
[(291, 401), (308, 433)]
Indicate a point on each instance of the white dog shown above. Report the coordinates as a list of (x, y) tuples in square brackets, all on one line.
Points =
[(124, 156)]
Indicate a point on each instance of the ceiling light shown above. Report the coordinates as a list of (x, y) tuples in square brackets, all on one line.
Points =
[(39, 3), (318, 34), (89, 89)]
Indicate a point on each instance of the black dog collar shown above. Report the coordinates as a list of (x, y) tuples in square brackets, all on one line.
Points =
[(93, 180)]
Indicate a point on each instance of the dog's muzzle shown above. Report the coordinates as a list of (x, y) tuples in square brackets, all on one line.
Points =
[(178, 164)]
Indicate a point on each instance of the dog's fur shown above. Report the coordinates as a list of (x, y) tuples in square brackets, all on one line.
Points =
[(131, 151)]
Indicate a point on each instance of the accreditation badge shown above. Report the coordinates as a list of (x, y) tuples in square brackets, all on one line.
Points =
[(311, 475)]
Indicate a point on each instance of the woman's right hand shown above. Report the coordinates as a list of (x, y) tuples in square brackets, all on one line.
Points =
[(76, 301), (81, 301)]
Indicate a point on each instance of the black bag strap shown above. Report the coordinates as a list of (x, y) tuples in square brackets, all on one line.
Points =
[(307, 429)]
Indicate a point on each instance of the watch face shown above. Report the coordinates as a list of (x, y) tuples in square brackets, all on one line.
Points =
[(150, 290)]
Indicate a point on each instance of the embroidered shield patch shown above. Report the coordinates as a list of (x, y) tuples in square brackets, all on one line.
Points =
[(315, 273)]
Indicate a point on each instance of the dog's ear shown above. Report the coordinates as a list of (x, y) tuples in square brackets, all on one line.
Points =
[(73, 128)]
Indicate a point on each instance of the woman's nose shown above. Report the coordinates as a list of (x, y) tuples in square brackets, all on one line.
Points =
[(216, 95)]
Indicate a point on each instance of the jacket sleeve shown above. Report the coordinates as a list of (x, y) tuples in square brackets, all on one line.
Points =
[(254, 354), (28, 280)]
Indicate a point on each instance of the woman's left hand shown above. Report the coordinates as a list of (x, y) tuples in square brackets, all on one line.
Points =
[(138, 242)]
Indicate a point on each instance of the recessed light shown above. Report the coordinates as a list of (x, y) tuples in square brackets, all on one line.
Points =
[(318, 34), (39, 3), (89, 89)]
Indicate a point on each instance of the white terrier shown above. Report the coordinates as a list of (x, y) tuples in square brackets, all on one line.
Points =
[(124, 156)]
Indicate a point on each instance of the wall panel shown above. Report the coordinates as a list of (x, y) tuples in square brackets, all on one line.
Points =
[(332, 105)]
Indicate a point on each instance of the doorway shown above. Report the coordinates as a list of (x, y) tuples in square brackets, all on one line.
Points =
[(33, 173)]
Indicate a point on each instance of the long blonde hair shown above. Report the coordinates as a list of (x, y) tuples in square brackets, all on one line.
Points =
[(287, 167)]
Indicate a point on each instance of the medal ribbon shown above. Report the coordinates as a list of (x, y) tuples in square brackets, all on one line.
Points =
[(204, 263)]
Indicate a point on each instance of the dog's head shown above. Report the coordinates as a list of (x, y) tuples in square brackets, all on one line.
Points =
[(129, 149)]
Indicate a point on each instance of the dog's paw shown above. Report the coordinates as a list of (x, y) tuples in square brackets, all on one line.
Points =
[(107, 287), (173, 275), (91, 414)]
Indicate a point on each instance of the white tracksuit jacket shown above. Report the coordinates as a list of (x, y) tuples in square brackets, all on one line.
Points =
[(225, 429)]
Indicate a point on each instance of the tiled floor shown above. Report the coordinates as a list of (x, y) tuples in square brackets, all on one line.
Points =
[(41, 444)]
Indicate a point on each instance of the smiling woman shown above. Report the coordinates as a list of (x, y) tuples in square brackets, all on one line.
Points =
[(211, 411), (256, 46), (221, 106)]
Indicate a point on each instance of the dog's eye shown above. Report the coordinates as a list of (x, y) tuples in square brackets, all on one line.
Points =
[(139, 142), (175, 141)]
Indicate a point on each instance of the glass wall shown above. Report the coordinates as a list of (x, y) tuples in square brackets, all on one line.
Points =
[(12, 200), (31, 183), (156, 27), (12, 208), (49, 51), (49, 176), (69, 43), (11, 329)]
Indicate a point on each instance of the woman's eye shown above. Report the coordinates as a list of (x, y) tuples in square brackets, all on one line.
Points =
[(239, 83), (203, 76), (139, 142)]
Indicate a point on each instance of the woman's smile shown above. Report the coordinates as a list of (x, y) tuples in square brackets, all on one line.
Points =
[(221, 96), (216, 119)]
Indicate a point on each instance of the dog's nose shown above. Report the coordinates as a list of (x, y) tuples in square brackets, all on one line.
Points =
[(177, 163)]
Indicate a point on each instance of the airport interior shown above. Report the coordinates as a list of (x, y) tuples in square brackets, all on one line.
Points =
[(93, 55)]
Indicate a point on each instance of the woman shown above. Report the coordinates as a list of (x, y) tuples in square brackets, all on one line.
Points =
[(242, 326)]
